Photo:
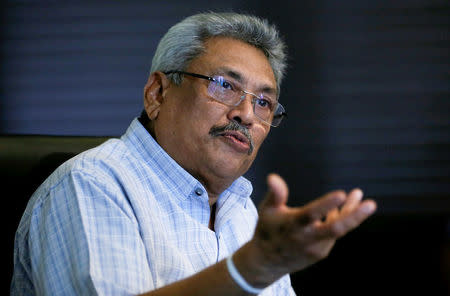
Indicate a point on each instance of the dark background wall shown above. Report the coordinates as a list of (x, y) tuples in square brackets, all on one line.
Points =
[(367, 93)]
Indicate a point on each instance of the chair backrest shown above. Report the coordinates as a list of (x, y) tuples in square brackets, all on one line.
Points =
[(25, 162)]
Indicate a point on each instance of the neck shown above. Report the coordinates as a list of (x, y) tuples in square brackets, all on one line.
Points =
[(214, 188), (212, 200)]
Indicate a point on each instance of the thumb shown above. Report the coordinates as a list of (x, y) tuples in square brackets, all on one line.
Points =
[(277, 193)]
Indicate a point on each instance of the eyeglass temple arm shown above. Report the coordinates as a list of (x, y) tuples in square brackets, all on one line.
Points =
[(190, 74), (282, 114)]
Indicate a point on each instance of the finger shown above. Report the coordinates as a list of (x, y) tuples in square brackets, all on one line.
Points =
[(277, 193), (353, 200), (345, 224), (320, 207), (332, 215)]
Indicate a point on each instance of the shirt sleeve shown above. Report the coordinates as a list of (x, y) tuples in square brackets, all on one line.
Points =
[(84, 240), (281, 287)]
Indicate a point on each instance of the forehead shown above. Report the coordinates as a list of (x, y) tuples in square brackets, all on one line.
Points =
[(238, 57)]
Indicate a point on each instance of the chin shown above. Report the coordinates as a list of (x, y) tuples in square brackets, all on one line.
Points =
[(231, 168)]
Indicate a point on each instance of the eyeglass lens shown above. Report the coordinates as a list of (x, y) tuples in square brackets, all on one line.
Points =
[(223, 91)]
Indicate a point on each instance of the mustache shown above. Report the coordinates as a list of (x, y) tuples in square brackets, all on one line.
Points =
[(216, 131)]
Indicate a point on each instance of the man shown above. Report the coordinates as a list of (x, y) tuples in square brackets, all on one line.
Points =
[(164, 210)]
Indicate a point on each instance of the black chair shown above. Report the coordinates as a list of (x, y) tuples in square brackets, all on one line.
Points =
[(25, 162)]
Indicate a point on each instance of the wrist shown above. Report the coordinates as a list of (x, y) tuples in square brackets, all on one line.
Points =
[(254, 267), (239, 279)]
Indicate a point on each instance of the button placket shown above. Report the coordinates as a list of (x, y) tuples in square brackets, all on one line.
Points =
[(200, 198)]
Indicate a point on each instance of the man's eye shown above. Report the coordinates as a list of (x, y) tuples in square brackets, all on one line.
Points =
[(263, 103), (222, 83), (225, 84)]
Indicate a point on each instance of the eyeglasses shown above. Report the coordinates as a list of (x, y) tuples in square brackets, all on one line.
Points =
[(265, 108)]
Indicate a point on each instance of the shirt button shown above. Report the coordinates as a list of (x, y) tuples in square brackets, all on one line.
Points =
[(199, 191)]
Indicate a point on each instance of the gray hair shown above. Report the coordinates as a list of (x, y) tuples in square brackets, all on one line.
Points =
[(185, 41)]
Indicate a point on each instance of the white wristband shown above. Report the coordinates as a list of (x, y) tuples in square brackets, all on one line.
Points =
[(237, 277)]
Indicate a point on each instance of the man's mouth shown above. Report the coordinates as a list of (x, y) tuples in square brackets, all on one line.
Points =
[(238, 141), (235, 135)]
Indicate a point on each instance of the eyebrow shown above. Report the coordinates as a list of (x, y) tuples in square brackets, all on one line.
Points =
[(239, 78)]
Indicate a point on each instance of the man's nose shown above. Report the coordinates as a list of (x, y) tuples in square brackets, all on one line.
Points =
[(244, 112)]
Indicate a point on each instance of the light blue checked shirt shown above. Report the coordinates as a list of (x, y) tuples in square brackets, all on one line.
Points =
[(124, 218)]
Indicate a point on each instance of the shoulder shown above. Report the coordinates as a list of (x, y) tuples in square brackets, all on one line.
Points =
[(105, 163), (113, 152), (102, 167), (92, 179)]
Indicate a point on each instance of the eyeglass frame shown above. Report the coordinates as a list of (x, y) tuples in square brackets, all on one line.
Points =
[(255, 96)]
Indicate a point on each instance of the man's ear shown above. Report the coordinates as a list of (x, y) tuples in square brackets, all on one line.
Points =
[(154, 92)]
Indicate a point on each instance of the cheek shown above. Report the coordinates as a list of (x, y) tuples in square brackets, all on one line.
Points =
[(211, 113), (195, 122), (260, 135)]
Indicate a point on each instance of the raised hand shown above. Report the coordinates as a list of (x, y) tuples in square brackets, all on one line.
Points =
[(288, 239)]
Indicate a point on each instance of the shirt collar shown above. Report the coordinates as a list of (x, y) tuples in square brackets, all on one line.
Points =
[(168, 169), (242, 188)]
